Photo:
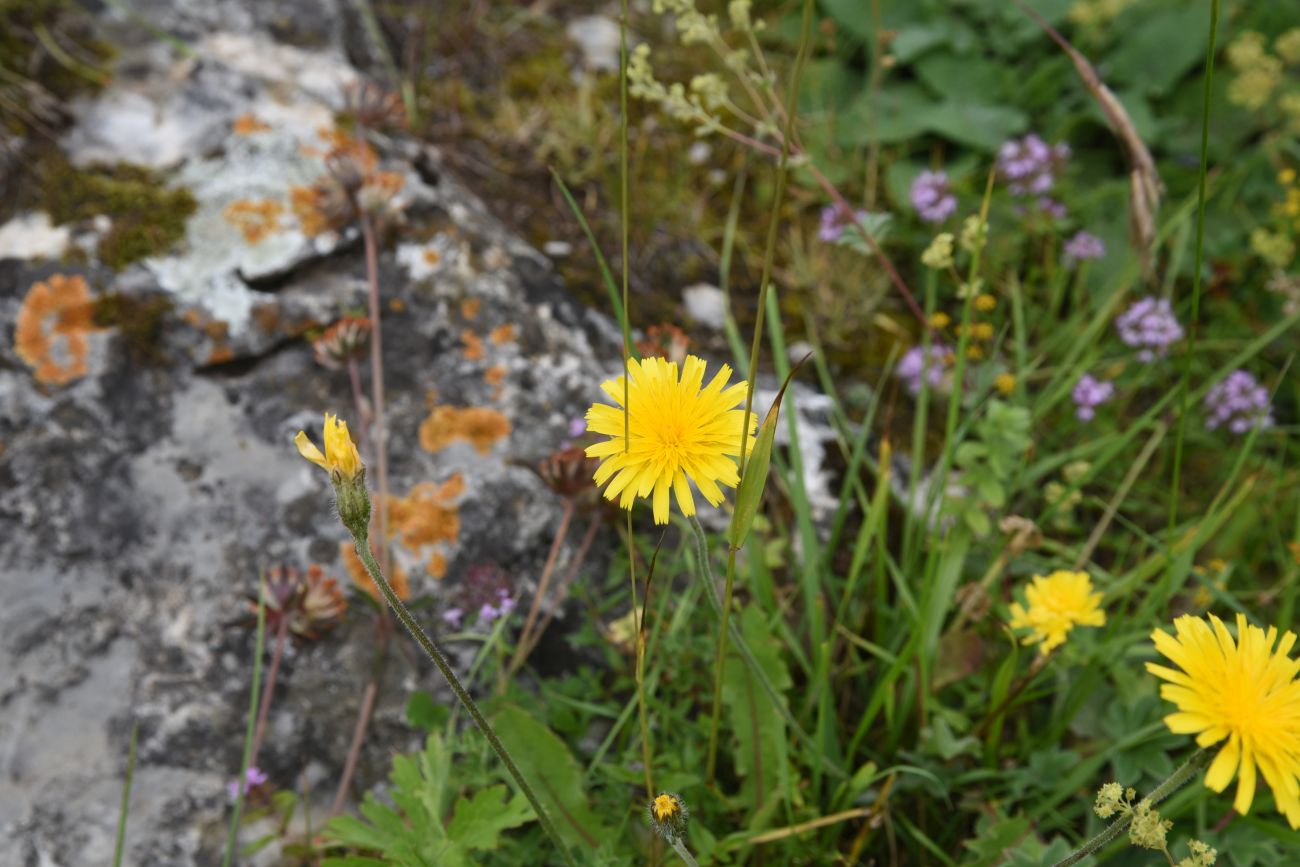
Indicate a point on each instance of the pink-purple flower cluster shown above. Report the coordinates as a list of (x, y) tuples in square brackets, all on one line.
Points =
[(1083, 247), (932, 197), (499, 607), (1150, 327), (1090, 393), (1030, 165), (835, 220), (1239, 403), (914, 366), (253, 778)]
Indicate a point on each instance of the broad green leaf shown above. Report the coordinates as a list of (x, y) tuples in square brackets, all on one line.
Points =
[(555, 775), (422, 712), (981, 126), (1156, 53), (750, 492), (761, 756), (897, 113)]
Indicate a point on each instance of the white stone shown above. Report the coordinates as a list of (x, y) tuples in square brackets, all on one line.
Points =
[(706, 305), (597, 37), (33, 236), (557, 249)]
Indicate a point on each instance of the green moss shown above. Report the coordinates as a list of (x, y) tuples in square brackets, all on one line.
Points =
[(139, 321), (148, 217), (48, 43)]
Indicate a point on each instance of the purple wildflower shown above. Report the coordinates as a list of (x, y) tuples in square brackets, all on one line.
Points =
[(1051, 207), (932, 197), (489, 612), (1083, 247), (834, 221), (1149, 326), (1029, 165), (1239, 402), (913, 366), (577, 427), (1090, 393), (252, 779), (452, 617)]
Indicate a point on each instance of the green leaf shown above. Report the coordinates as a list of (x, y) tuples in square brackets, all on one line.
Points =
[(479, 821), (896, 114), (750, 492), (980, 126), (555, 775), (1157, 52), (422, 712), (761, 756)]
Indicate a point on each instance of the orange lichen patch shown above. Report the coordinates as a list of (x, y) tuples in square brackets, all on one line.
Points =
[(267, 317), (54, 322), (397, 305), (480, 426), (247, 124), (360, 577), (385, 184), (308, 206), (469, 307), (432, 257), (256, 218), (220, 354), (437, 565), (495, 375), (502, 334), (427, 515), (473, 345)]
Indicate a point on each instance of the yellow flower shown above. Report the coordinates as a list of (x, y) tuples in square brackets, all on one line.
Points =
[(1243, 693), (940, 320), (1005, 382), (680, 433), (1057, 604), (985, 303), (340, 452), (665, 807)]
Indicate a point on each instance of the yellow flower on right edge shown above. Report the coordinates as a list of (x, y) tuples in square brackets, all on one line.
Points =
[(1057, 604), (1243, 694)]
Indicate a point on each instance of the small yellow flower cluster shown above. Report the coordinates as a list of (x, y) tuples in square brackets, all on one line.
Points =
[(1056, 604), (938, 256), (1097, 13), (1261, 75)]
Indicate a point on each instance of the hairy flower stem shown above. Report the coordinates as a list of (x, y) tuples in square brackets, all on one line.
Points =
[(1176, 780), (377, 380), (268, 690), (680, 848), (742, 647), (435, 653), (764, 284)]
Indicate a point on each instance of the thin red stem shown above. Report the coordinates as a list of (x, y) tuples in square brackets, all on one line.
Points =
[(522, 648), (268, 690), (377, 383)]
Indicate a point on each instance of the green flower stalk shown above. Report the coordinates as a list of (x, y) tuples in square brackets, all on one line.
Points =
[(348, 476)]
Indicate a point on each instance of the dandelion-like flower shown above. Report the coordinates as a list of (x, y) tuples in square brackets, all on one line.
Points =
[(1057, 604), (1242, 694), (668, 815), (344, 341), (340, 459), (681, 431)]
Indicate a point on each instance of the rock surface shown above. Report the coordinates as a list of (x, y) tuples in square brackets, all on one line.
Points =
[(141, 499)]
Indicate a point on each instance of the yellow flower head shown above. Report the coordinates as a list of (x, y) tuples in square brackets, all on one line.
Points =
[(1057, 604), (1005, 383), (1243, 693), (340, 452), (665, 806), (681, 432), (668, 815)]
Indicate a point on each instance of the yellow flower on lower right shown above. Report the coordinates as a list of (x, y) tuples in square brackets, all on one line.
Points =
[(1242, 693)]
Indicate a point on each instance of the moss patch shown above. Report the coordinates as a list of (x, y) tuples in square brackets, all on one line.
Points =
[(148, 217), (139, 321), (47, 45)]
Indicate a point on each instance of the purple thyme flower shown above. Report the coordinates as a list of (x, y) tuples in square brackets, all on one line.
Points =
[(1090, 393), (505, 603), (452, 617), (1149, 326), (835, 221), (932, 197), (252, 779), (1083, 247), (912, 367), (1239, 402), (577, 427), (1029, 165), (1051, 207)]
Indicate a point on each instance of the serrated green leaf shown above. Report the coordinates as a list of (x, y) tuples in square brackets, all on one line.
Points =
[(761, 756), (479, 821), (422, 712)]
